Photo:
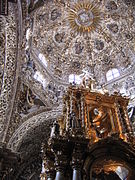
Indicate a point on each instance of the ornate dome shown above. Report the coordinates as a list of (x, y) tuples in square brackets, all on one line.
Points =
[(83, 36)]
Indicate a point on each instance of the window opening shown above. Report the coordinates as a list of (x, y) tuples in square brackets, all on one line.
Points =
[(73, 78), (112, 73), (42, 59)]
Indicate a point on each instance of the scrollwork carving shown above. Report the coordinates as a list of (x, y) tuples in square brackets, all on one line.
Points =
[(9, 66)]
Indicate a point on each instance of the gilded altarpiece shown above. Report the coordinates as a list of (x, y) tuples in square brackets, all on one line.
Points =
[(97, 115)]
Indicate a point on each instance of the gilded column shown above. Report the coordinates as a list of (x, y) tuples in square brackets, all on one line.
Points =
[(86, 116), (71, 102), (67, 113), (127, 119), (112, 121), (82, 110), (86, 119), (119, 120)]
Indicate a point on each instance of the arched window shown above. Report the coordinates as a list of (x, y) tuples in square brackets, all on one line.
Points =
[(39, 77), (42, 59), (112, 73), (73, 78)]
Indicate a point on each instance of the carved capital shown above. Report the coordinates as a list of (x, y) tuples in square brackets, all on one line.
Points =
[(61, 161), (78, 153)]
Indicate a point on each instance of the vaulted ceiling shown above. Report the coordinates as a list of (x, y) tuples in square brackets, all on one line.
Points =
[(78, 36), (45, 42), (86, 38)]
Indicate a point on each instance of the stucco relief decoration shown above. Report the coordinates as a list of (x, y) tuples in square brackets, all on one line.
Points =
[(2, 48), (75, 36), (81, 37), (84, 17), (21, 132), (7, 66)]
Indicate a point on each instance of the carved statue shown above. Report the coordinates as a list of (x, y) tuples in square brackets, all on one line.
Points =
[(79, 123), (72, 120), (105, 91), (61, 123), (98, 119), (83, 82), (88, 83), (55, 130), (131, 113), (91, 82), (30, 98)]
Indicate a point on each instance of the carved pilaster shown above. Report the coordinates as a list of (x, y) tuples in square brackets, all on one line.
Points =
[(127, 120), (67, 113), (82, 110), (119, 121)]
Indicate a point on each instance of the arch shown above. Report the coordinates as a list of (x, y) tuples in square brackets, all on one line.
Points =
[(11, 67), (28, 125), (114, 149)]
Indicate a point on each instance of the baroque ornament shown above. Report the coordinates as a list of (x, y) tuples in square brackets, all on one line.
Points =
[(84, 17)]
